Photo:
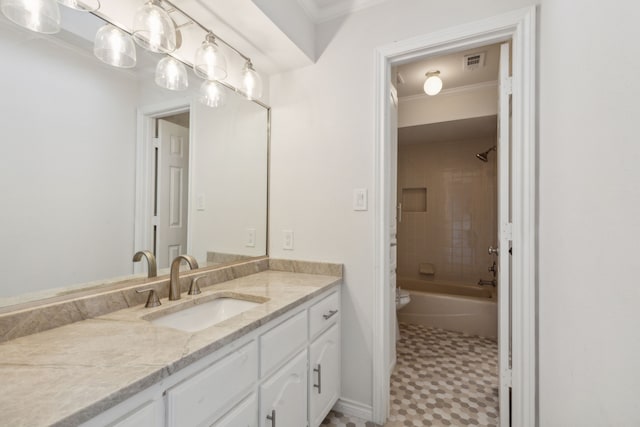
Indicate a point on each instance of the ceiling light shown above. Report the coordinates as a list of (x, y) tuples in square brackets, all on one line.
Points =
[(210, 63), (433, 84), (251, 82), (153, 28), (41, 16), (114, 47), (212, 94), (81, 5), (171, 74)]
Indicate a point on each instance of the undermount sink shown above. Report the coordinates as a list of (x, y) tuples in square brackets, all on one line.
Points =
[(200, 316)]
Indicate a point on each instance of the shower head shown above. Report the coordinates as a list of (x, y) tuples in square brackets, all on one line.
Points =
[(484, 156)]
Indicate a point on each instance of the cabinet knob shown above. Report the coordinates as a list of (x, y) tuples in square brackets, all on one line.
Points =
[(272, 418), (493, 251)]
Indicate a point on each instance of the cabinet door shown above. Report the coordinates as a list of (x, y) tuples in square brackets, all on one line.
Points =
[(283, 397), (324, 374), (243, 415)]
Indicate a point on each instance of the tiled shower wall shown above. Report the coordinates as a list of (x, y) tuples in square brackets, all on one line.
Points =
[(455, 225)]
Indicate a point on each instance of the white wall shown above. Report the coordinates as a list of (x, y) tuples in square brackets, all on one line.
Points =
[(589, 309), (422, 109), (322, 148), (67, 166), (230, 172), (589, 297)]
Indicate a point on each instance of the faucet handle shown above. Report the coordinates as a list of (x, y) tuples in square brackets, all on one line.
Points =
[(194, 289), (153, 300)]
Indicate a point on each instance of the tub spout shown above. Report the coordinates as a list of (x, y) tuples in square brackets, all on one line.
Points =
[(487, 282)]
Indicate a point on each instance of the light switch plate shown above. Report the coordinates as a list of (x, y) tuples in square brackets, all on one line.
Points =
[(200, 202), (360, 202), (251, 238), (287, 240)]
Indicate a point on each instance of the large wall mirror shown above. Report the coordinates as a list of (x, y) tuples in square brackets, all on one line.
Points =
[(98, 163)]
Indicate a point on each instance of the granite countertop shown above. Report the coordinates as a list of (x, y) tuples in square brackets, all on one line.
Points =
[(67, 375)]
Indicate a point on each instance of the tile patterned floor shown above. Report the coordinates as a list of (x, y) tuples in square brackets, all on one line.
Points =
[(442, 378)]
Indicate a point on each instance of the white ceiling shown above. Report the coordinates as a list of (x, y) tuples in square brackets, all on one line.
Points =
[(451, 71), (324, 10)]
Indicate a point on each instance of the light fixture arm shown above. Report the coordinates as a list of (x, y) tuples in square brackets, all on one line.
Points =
[(205, 29)]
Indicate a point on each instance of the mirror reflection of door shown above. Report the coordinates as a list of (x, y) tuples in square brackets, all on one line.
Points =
[(172, 172)]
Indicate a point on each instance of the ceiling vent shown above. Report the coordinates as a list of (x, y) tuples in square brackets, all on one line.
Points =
[(473, 61)]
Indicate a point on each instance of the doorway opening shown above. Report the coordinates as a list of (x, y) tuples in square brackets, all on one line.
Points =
[(516, 227), (446, 198), (163, 156)]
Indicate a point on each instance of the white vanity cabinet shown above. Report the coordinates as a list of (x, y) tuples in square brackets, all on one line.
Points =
[(285, 373)]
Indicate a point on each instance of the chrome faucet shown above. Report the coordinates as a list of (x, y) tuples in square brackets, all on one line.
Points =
[(174, 281), (151, 262)]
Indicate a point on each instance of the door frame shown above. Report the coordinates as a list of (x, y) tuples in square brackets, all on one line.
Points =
[(519, 26), (146, 116)]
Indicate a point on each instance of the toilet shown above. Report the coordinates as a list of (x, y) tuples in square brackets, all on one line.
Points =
[(402, 299)]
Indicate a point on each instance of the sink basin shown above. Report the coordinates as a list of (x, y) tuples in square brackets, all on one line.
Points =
[(201, 316)]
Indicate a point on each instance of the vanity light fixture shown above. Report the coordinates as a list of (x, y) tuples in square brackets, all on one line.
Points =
[(210, 63), (114, 47), (212, 94), (81, 5), (171, 74), (433, 83), (251, 81), (41, 16), (153, 28)]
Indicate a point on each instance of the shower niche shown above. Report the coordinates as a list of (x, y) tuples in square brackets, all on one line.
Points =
[(414, 199)]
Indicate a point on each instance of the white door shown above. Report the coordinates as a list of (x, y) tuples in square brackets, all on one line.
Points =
[(283, 397), (172, 189), (504, 235), (324, 373)]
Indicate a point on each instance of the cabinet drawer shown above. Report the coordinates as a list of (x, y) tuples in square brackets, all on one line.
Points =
[(243, 415), (208, 394), (324, 313), (282, 341)]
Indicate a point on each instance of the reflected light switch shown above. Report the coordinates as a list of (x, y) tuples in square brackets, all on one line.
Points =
[(200, 202)]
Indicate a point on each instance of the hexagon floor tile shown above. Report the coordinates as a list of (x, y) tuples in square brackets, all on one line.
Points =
[(442, 378)]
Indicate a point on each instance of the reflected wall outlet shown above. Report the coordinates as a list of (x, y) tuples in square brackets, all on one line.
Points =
[(251, 238), (287, 240)]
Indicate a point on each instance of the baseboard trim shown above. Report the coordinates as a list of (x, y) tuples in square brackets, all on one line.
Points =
[(354, 409)]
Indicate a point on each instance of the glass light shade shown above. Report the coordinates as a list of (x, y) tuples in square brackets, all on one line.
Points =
[(210, 63), (41, 16), (251, 82), (81, 5), (171, 74), (114, 47), (433, 85), (212, 94), (153, 28)]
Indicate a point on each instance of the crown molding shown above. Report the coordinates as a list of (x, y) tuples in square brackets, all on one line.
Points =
[(453, 90)]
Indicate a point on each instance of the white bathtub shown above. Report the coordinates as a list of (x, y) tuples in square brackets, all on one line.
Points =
[(464, 308)]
